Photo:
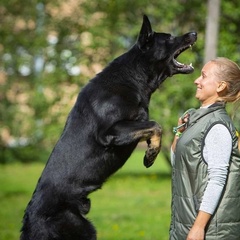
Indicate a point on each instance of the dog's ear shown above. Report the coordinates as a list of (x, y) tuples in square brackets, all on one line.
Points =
[(145, 35)]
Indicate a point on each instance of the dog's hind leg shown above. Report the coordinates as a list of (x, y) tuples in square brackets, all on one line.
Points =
[(127, 132)]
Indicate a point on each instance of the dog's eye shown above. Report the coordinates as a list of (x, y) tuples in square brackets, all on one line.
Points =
[(170, 39)]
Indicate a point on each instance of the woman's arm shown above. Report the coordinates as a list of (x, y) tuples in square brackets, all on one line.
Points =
[(174, 143), (216, 152)]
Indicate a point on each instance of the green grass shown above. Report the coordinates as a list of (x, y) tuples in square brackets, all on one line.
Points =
[(133, 204)]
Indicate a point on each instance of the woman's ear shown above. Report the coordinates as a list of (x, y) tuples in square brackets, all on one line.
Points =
[(222, 86)]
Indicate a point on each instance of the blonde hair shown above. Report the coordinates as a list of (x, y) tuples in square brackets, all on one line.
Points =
[(229, 72)]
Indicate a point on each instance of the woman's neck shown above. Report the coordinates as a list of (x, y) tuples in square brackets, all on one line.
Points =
[(208, 105)]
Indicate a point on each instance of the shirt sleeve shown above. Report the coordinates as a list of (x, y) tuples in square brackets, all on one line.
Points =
[(216, 152)]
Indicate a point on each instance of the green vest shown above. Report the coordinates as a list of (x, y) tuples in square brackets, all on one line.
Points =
[(190, 177)]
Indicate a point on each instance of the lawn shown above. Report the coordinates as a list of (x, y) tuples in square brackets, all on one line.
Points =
[(134, 204)]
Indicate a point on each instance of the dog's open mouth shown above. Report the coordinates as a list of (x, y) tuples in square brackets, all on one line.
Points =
[(182, 68)]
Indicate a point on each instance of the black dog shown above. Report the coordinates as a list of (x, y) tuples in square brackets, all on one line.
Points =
[(108, 120)]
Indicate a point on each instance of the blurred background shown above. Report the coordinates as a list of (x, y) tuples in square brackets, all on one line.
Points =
[(50, 49)]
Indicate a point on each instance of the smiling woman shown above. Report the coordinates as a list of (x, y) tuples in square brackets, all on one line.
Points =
[(219, 81), (206, 160)]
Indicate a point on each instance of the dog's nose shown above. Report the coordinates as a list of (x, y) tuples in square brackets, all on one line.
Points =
[(194, 34)]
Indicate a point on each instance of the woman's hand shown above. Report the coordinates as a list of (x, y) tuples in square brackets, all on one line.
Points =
[(182, 125), (196, 233), (183, 120)]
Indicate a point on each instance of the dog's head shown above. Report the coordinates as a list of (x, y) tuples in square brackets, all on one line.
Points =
[(162, 49)]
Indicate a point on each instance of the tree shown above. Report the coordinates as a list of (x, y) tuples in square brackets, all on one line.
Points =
[(212, 28)]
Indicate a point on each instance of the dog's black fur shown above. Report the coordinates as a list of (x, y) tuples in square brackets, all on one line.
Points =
[(108, 120)]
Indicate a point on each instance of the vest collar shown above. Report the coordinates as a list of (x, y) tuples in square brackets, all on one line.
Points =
[(196, 114)]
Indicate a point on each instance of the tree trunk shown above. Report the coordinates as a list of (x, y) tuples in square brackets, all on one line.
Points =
[(212, 25)]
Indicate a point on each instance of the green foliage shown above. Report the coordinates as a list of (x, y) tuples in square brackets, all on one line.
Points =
[(49, 50), (229, 44), (133, 204)]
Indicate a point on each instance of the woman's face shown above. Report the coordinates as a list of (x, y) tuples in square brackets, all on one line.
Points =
[(207, 85)]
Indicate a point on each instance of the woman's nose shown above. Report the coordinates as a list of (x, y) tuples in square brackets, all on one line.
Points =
[(197, 81)]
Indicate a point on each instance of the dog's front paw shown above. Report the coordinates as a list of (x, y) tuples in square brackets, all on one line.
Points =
[(154, 146), (150, 156)]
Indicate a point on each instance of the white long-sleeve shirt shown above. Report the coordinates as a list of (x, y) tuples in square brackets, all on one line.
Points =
[(216, 152)]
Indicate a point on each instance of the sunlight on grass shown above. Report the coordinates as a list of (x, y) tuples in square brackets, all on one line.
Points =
[(17, 183), (133, 204)]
